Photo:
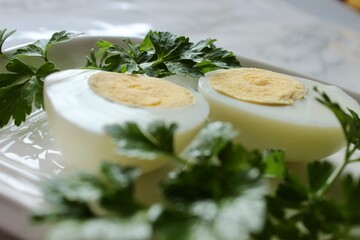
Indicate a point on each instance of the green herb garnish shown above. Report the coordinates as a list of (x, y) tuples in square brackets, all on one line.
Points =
[(162, 54), (21, 87)]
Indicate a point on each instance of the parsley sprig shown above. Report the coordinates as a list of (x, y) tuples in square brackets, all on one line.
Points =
[(162, 54), (21, 87)]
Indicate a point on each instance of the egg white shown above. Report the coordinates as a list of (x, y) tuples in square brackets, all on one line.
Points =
[(306, 130), (77, 117)]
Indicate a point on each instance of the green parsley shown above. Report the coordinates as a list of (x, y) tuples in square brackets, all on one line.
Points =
[(21, 87), (162, 54)]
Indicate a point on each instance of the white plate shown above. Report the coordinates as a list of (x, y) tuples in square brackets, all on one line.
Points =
[(28, 154)]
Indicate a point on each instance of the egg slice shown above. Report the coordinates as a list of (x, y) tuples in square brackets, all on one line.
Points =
[(80, 103), (270, 113)]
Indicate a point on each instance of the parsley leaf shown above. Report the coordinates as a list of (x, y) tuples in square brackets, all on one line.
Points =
[(40, 48), (20, 89), (36, 49)]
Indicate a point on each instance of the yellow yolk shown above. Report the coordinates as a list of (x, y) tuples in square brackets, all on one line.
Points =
[(258, 86), (140, 91)]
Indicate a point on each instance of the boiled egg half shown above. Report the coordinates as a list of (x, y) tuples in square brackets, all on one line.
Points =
[(80, 103), (273, 110)]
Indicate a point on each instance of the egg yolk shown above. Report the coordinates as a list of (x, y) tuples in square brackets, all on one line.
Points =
[(140, 91), (258, 86)]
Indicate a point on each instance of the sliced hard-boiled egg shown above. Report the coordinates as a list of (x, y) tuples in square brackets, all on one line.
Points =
[(80, 103), (273, 110)]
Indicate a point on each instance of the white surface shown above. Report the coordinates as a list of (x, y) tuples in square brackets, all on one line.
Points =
[(317, 41)]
